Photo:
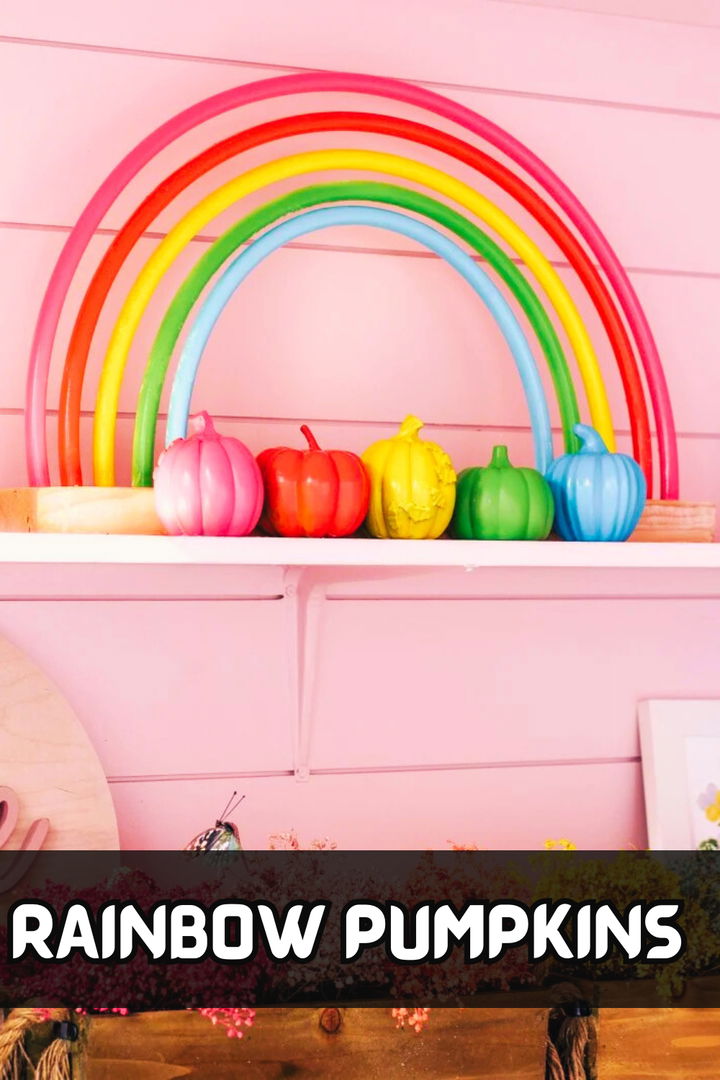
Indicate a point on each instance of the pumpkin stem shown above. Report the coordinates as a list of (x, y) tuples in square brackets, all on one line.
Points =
[(201, 424), (311, 440), (592, 441), (500, 459), (410, 427)]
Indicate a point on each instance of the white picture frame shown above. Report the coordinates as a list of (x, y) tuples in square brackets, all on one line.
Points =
[(680, 747)]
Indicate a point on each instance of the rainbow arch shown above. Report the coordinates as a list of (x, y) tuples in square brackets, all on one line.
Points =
[(226, 245), (189, 226), (610, 290)]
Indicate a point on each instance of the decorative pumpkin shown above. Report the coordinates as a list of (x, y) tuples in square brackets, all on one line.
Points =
[(313, 492), (208, 484), (598, 495), (500, 502), (412, 486)]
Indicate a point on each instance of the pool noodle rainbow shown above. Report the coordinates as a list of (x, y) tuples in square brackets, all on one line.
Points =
[(309, 83), (253, 180), (314, 220), (299, 199), (172, 185)]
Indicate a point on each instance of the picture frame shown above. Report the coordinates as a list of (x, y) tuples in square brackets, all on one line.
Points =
[(680, 748)]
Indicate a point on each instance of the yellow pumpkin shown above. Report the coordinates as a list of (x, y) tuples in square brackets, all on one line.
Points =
[(412, 486)]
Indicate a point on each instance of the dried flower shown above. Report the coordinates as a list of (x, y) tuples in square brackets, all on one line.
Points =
[(413, 1018), (232, 1020)]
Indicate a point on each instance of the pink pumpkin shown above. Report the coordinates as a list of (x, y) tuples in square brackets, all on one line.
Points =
[(208, 484)]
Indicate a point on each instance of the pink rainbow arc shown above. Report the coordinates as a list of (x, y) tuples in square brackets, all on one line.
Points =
[(320, 82)]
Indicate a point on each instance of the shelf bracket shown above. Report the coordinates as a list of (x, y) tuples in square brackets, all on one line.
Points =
[(305, 591), (304, 600)]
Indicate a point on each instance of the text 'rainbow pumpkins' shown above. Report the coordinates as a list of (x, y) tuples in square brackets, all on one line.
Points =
[(500, 502), (208, 484), (412, 486), (598, 495), (313, 492)]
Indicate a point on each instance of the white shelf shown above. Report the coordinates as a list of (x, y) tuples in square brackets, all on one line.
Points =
[(56, 549), (304, 576), (37, 566)]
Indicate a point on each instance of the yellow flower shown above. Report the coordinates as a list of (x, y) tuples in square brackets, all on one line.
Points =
[(562, 845), (712, 812)]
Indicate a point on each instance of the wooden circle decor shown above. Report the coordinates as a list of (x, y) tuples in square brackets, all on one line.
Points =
[(53, 791)]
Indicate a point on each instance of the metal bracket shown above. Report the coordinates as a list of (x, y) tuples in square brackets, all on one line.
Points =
[(304, 597), (305, 590)]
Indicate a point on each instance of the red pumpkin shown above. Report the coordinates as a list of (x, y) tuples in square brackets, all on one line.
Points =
[(313, 492)]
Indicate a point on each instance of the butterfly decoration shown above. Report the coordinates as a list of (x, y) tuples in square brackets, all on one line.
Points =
[(223, 835)]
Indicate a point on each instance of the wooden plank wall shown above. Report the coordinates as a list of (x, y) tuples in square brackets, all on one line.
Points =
[(675, 1043), (457, 1044), (488, 1043), (352, 330)]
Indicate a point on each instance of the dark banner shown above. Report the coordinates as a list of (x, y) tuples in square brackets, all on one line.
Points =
[(164, 930)]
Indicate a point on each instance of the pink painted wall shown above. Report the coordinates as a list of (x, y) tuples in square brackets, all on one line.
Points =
[(503, 722)]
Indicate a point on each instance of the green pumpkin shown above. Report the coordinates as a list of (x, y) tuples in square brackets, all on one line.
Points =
[(500, 502)]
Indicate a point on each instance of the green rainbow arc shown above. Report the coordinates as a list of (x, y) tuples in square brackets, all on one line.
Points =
[(367, 191)]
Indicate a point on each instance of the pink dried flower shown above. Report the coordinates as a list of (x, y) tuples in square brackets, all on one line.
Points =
[(115, 1011), (412, 1018), (286, 841), (233, 1020)]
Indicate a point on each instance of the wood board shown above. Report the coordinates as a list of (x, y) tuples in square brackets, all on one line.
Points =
[(131, 511), (46, 758), (675, 1044), (665, 521), (119, 510), (492, 1044), (458, 1044)]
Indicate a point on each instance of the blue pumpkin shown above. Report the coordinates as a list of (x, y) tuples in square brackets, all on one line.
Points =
[(598, 495)]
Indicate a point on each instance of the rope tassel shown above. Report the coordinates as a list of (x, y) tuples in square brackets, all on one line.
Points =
[(571, 1037), (13, 1056), (553, 1065), (55, 1061)]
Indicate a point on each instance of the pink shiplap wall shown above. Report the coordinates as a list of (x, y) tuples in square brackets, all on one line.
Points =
[(502, 722)]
